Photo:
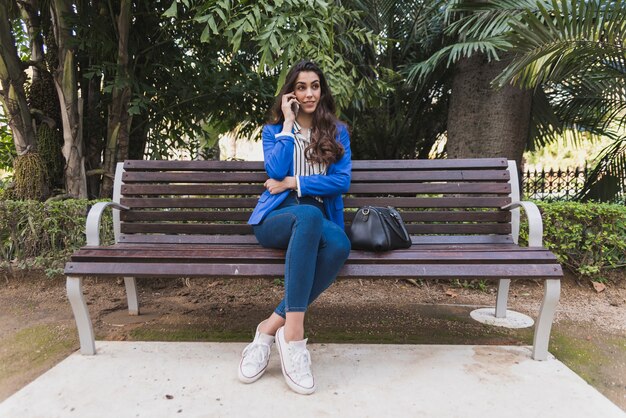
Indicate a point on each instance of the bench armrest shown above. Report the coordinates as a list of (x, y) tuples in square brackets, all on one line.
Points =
[(92, 229), (535, 224)]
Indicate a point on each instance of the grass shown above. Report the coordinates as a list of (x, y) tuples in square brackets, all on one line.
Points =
[(34, 347)]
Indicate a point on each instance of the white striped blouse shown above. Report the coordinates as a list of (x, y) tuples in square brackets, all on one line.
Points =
[(302, 166)]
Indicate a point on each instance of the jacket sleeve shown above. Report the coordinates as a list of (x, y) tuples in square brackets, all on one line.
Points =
[(331, 184), (277, 153)]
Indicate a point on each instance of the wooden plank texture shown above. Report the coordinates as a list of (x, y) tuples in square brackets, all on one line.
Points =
[(183, 254), (431, 271)]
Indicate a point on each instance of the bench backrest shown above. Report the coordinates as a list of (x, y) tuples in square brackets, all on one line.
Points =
[(202, 198)]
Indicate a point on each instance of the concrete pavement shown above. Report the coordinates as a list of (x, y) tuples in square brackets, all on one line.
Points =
[(157, 379)]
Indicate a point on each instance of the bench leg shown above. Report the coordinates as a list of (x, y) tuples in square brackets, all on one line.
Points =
[(81, 315), (131, 295), (552, 290), (502, 298)]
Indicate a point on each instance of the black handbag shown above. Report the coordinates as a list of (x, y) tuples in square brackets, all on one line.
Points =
[(378, 229)]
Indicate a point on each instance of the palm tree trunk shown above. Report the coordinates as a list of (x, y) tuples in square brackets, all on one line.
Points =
[(67, 89), (482, 121), (119, 122), (29, 9), (12, 78)]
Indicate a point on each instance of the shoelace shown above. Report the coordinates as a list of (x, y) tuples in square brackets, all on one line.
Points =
[(301, 360), (256, 353)]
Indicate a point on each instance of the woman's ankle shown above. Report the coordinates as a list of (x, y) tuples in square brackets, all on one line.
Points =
[(270, 325), (293, 334)]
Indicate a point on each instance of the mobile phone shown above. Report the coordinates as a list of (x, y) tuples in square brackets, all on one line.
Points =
[(295, 106)]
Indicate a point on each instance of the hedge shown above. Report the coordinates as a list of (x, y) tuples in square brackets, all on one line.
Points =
[(44, 235), (589, 239)]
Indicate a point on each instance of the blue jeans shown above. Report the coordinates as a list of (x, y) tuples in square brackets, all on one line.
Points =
[(316, 249)]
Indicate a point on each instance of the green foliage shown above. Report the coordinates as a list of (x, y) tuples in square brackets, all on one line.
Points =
[(7, 146), (278, 34), (46, 232), (588, 238), (472, 284), (401, 120), (571, 52)]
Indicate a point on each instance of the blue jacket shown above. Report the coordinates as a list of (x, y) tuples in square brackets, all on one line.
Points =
[(278, 156)]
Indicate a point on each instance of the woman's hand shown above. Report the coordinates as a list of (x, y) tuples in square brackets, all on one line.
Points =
[(287, 105), (276, 187)]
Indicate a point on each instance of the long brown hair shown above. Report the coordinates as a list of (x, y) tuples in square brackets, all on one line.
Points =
[(324, 148)]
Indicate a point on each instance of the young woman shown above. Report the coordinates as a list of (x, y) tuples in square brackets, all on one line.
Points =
[(307, 158)]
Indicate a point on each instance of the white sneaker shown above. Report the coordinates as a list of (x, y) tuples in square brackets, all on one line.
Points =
[(255, 357), (295, 360)]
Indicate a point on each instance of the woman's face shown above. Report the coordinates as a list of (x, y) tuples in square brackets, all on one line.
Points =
[(308, 91)]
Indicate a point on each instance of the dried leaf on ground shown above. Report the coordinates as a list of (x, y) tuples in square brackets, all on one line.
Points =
[(600, 287), (451, 293)]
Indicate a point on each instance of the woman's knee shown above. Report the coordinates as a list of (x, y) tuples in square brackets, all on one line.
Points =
[(309, 216), (344, 246), (337, 244)]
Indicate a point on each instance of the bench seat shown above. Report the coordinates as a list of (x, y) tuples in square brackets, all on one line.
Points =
[(250, 260)]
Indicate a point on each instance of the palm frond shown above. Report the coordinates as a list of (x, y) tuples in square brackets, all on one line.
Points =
[(451, 54), (558, 39), (478, 27), (607, 180), (483, 20), (545, 126)]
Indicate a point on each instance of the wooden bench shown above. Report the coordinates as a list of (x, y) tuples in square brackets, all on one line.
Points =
[(188, 219)]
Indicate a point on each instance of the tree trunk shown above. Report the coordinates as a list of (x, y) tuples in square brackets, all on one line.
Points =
[(67, 90), (94, 125), (138, 137), (119, 122), (29, 10), (12, 78), (483, 122), (93, 132)]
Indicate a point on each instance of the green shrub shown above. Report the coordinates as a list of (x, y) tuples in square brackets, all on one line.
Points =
[(588, 238), (45, 233)]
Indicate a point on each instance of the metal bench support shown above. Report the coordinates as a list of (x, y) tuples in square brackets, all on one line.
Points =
[(502, 298), (552, 289), (131, 295), (81, 315)]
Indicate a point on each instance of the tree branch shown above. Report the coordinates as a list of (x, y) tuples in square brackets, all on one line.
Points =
[(40, 65)]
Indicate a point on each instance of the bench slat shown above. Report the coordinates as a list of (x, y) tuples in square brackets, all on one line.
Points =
[(188, 239), (454, 164), (427, 202), (431, 175), (461, 240), (358, 176), (469, 163), (196, 215), (193, 177), (360, 188), (203, 203), (181, 165), (438, 271), (349, 202), (265, 255), (252, 246), (203, 228), (416, 188), (179, 228), (407, 216)]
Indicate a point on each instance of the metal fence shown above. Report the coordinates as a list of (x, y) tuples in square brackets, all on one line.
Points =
[(553, 184)]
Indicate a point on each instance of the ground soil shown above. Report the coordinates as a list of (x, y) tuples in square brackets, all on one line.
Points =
[(37, 329)]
